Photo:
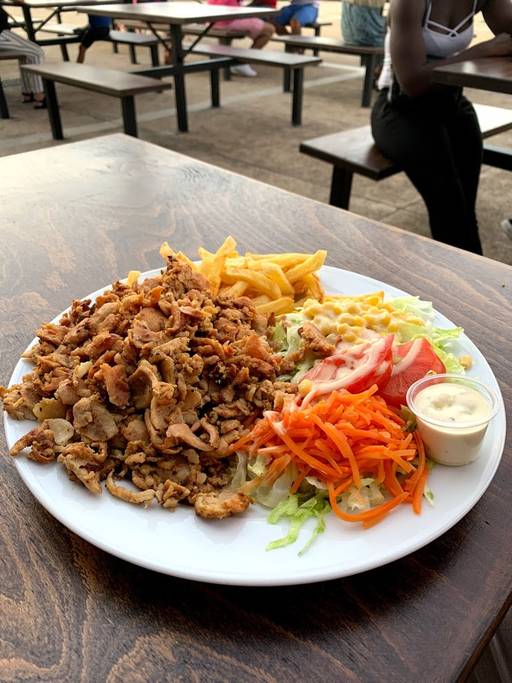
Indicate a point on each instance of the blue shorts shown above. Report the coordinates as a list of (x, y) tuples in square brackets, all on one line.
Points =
[(304, 14)]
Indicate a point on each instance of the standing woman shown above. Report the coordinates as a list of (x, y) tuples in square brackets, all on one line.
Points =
[(30, 53), (432, 131)]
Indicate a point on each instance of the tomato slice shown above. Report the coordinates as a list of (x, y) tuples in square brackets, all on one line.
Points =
[(354, 368), (415, 359)]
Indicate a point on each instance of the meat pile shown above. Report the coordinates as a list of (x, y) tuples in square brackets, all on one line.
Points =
[(150, 384)]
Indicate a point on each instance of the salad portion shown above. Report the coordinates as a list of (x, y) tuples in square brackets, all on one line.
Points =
[(347, 443)]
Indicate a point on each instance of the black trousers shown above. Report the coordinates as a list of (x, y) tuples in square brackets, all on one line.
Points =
[(437, 141)]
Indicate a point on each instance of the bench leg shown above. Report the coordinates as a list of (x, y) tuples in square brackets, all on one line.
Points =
[(317, 30), (129, 119), (115, 48), (287, 79), (370, 62), (155, 61), (297, 96), (133, 54), (65, 53), (227, 70), (341, 187), (215, 87), (53, 109), (4, 109)]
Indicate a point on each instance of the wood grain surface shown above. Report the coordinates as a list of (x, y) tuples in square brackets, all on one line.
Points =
[(492, 73), (79, 216)]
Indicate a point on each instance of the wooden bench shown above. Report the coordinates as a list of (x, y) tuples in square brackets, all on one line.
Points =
[(369, 56), (354, 151), (130, 38), (4, 109), (118, 84), (294, 63)]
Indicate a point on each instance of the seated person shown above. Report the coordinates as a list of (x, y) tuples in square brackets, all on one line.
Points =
[(260, 31), (30, 53), (362, 22), (296, 15), (97, 29), (432, 131)]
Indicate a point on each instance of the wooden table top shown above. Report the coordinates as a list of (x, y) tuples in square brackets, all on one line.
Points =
[(493, 73), (69, 611), (178, 12)]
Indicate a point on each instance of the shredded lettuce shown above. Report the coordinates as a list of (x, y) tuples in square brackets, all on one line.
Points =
[(429, 495), (442, 339), (273, 495), (298, 513)]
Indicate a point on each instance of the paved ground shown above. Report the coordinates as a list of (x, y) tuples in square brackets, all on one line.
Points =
[(251, 133)]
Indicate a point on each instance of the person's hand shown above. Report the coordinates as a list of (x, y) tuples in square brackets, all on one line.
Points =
[(499, 46)]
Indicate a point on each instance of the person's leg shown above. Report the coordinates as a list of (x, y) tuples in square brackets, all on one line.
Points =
[(418, 140), (467, 147), (263, 36), (89, 36), (31, 54)]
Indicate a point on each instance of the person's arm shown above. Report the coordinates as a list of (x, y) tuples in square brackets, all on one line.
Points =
[(498, 16), (408, 52)]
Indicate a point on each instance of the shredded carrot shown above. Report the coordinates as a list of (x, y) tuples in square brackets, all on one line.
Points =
[(340, 440)]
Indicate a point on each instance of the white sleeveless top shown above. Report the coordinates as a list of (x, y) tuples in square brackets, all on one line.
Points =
[(441, 43)]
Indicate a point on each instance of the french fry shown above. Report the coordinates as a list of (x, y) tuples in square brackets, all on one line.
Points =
[(238, 289), (132, 278), (275, 283), (283, 305), (257, 281), (212, 265), (166, 251), (274, 273), (313, 287), (260, 300), (310, 265)]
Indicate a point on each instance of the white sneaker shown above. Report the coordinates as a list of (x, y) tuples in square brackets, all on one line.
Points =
[(507, 227), (244, 70)]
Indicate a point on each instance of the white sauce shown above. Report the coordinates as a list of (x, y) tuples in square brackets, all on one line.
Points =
[(467, 413)]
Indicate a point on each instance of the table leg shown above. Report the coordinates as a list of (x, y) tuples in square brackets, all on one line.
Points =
[(155, 60), (129, 118), (215, 87), (53, 109), (179, 77), (29, 26), (227, 70), (298, 90), (287, 79), (4, 109), (370, 62), (341, 187), (63, 47)]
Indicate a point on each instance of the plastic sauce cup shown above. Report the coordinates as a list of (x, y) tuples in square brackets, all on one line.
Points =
[(455, 440)]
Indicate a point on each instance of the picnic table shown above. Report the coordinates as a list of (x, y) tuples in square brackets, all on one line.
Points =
[(55, 6), (176, 15), (69, 611), (493, 74)]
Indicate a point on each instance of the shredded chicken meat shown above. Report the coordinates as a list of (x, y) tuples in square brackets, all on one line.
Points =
[(150, 384)]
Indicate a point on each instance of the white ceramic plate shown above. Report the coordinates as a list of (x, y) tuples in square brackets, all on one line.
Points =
[(232, 551)]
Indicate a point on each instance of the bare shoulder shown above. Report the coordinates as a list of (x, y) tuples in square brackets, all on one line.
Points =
[(407, 11)]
